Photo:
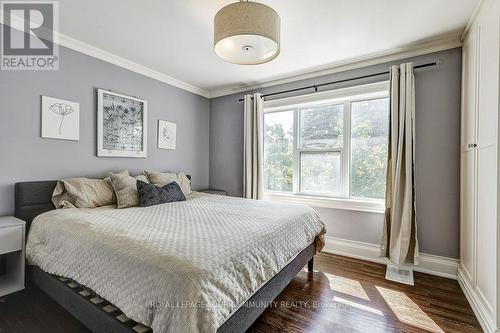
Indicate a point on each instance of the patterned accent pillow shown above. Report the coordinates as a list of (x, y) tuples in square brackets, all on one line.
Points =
[(150, 194)]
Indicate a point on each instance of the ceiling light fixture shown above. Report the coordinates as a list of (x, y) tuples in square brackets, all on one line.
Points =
[(247, 33)]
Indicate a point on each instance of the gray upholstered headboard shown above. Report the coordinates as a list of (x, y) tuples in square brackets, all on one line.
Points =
[(35, 198)]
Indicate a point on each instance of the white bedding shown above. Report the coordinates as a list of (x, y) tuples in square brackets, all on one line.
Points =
[(197, 260)]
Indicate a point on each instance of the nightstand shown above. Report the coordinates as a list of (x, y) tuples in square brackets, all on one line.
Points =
[(12, 233), (214, 191)]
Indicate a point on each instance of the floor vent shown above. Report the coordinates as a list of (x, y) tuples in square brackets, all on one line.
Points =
[(399, 274)]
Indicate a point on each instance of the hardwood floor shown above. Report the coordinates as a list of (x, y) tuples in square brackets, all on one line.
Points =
[(353, 296), (341, 295)]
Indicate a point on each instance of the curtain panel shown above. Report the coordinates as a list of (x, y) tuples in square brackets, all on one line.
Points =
[(399, 240), (253, 141)]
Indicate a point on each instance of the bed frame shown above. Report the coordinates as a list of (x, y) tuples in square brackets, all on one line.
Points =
[(34, 198)]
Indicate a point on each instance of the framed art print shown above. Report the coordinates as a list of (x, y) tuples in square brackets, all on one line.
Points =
[(60, 119), (167, 133), (121, 125)]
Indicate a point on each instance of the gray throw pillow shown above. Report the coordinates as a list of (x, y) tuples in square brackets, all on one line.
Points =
[(150, 194)]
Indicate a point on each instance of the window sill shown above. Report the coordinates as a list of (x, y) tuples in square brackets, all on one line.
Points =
[(371, 206)]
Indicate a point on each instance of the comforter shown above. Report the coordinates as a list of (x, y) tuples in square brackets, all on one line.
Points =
[(176, 267)]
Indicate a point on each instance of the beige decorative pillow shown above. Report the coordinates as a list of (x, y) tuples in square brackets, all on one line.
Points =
[(125, 187), (184, 183), (83, 193), (160, 178), (163, 178), (142, 178)]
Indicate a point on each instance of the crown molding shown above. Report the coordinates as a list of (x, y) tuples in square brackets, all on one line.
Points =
[(79, 46), (411, 50), (95, 52), (471, 20)]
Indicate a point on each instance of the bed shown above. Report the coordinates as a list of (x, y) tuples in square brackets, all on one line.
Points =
[(211, 263)]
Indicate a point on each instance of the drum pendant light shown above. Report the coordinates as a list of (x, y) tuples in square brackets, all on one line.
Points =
[(247, 33)]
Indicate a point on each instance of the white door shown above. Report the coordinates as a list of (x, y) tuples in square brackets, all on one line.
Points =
[(487, 154), (468, 155)]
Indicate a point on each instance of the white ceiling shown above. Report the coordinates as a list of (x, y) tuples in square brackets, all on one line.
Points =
[(174, 37)]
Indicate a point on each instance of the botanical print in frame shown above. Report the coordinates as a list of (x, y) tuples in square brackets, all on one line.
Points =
[(167, 133), (121, 125), (60, 119)]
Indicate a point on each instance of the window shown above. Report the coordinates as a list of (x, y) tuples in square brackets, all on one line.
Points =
[(278, 151), (331, 144)]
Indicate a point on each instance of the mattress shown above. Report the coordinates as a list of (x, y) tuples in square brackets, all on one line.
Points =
[(177, 267)]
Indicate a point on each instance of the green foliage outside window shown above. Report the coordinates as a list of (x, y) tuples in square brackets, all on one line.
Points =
[(369, 142), (278, 157), (322, 128)]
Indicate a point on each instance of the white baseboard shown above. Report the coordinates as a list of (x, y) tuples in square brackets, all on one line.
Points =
[(484, 317), (430, 264)]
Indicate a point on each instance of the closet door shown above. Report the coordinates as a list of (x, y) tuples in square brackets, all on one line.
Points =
[(468, 155), (488, 89)]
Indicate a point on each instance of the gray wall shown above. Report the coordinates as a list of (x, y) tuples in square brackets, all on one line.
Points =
[(26, 156), (437, 154)]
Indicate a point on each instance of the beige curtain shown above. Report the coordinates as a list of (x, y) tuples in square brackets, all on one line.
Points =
[(252, 157), (399, 240)]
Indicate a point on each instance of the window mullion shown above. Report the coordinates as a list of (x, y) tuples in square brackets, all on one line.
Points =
[(346, 152), (296, 152), (322, 150)]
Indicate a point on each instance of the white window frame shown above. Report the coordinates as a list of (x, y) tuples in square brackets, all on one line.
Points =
[(343, 96)]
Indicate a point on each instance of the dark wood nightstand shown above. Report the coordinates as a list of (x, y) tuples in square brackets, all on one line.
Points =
[(214, 191)]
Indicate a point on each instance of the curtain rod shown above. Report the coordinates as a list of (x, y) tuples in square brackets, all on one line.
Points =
[(316, 86)]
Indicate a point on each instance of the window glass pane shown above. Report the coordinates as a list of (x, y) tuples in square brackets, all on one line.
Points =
[(278, 151), (369, 141), (322, 127), (320, 172)]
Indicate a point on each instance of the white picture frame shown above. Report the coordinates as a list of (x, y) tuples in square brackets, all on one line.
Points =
[(121, 125), (167, 135), (60, 119)]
